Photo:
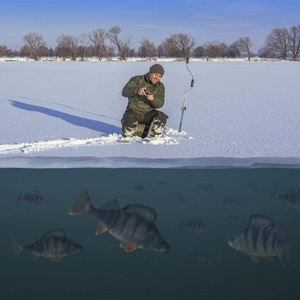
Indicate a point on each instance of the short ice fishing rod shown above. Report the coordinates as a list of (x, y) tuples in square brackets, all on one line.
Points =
[(183, 108)]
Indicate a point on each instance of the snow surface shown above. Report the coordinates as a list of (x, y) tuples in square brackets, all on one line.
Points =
[(67, 114)]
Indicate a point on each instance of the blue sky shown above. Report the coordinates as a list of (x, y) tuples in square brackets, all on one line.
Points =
[(206, 21)]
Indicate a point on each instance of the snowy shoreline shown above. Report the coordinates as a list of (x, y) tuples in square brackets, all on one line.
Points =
[(139, 59)]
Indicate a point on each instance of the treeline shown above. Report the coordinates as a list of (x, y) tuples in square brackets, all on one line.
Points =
[(101, 43)]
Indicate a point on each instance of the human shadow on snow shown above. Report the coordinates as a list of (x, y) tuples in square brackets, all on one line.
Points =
[(75, 120), (69, 107)]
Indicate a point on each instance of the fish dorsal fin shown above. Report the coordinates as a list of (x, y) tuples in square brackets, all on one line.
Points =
[(111, 204), (146, 212), (54, 233), (260, 220)]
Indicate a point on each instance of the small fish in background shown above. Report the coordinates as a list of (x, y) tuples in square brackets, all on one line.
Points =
[(195, 224), (204, 257), (230, 201), (291, 198), (161, 182), (261, 239), (31, 197), (133, 225), (233, 217), (178, 197), (138, 187), (206, 187), (53, 244)]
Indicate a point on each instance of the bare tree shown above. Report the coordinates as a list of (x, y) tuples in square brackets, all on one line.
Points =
[(110, 52), (225, 49), (213, 50), (132, 53), (294, 41), (266, 52), (67, 46), (84, 42), (98, 38), (51, 52), (199, 52), (122, 44), (233, 51), (183, 44), (3, 50), (25, 51), (167, 48), (277, 41), (244, 44), (35, 44), (147, 49), (160, 51)]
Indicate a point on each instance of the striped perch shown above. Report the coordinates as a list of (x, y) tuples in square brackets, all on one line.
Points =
[(195, 224), (291, 198), (32, 197), (53, 244), (259, 239), (133, 225)]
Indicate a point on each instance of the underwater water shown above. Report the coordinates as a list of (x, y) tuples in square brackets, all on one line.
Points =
[(200, 263)]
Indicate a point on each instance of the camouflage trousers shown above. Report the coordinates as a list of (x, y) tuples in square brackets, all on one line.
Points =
[(156, 120)]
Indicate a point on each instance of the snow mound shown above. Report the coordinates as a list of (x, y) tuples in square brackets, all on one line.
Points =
[(169, 137)]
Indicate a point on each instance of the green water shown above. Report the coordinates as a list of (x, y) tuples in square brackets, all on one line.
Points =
[(224, 198)]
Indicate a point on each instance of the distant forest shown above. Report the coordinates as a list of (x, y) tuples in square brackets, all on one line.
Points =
[(281, 43)]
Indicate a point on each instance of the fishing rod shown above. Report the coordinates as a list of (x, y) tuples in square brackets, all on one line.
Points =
[(183, 108)]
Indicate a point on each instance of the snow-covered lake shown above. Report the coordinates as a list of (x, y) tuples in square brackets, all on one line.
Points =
[(67, 114)]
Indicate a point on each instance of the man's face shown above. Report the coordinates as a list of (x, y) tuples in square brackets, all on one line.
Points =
[(154, 77)]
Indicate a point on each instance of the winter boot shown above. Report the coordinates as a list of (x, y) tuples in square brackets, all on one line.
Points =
[(156, 128), (130, 130)]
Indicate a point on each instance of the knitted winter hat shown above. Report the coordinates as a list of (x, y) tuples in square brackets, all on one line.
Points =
[(157, 69)]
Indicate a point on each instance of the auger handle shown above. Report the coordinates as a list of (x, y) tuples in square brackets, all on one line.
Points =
[(183, 108)]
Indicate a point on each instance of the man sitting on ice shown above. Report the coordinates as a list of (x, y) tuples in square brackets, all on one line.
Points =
[(145, 94)]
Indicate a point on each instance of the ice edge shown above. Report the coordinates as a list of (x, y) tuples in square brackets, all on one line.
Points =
[(130, 162)]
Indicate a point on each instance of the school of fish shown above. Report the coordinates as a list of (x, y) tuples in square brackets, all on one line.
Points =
[(134, 227)]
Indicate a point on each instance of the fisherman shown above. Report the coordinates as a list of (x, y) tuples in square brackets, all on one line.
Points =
[(146, 93)]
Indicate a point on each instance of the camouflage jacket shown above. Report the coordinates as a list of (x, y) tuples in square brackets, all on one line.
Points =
[(140, 104)]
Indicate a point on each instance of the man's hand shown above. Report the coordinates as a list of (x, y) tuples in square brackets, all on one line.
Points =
[(150, 97), (141, 92)]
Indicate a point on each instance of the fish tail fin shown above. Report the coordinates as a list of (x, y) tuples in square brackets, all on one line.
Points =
[(82, 205), (17, 247), (291, 249)]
